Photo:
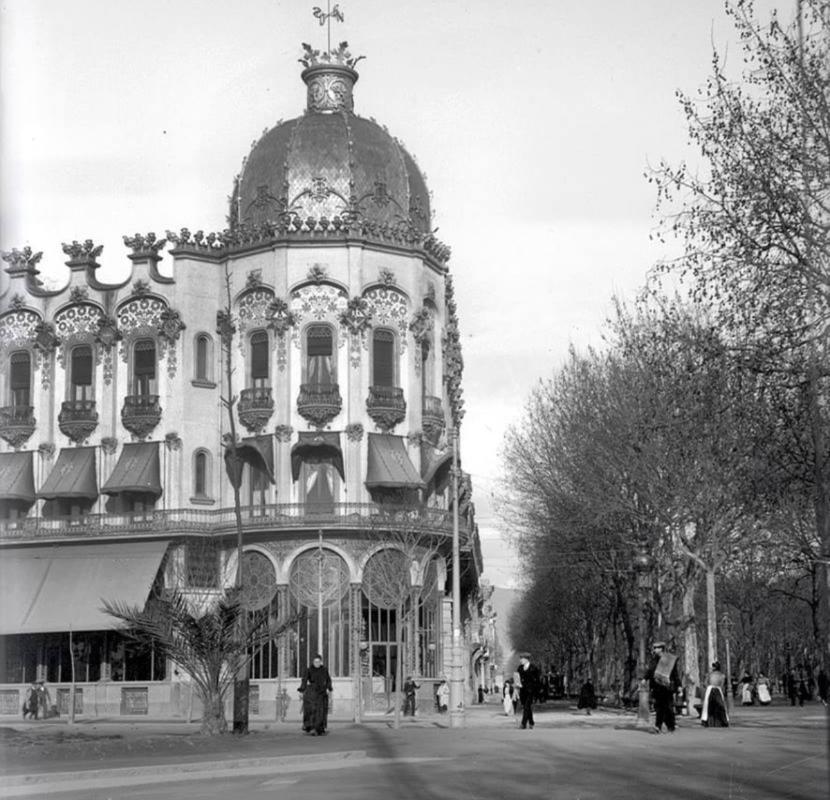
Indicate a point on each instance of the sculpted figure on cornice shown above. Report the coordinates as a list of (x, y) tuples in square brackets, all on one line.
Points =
[(22, 260), (86, 253)]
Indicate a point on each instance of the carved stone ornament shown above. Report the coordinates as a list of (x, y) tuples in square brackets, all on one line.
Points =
[(78, 419), (78, 294), (414, 438), (141, 288), (356, 319), (282, 318), (17, 424), (22, 260), (254, 279), (283, 433), (144, 246), (85, 254), (47, 450), (106, 336), (354, 432), (172, 441), (389, 308), (18, 302), (387, 277), (109, 444), (318, 273)]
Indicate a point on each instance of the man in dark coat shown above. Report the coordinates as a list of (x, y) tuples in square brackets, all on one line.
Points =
[(529, 690), (315, 689), (663, 679)]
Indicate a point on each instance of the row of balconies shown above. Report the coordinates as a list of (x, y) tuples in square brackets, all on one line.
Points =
[(279, 516), (140, 414)]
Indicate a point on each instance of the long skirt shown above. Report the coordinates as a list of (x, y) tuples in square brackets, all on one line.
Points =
[(508, 704), (315, 712), (713, 714)]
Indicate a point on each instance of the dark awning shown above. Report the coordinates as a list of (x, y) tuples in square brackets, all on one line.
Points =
[(48, 589), (390, 465), (434, 459), (258, 451), (17, 480), (72, 476), (137, 470), (317, 446)]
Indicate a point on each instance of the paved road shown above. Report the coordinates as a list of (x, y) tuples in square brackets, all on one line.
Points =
[(781, 756)]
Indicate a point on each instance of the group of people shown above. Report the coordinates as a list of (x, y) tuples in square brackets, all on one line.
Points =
[(37, 704)]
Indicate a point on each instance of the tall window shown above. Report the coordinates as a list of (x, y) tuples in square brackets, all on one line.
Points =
[(259, 359), (201, 564), (80, 379), (319, 355), (20, 379), (319, 486), (319, 597), (259, 484), (202, 357), (144, 367), (200, 474), (428, 370), (383, 358)]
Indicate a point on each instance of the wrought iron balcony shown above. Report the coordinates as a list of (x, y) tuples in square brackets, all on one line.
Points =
[(386, 406), (17, 424), (256, 407), (140, 414), (432, 418), (219, 522), (78, 419), (319, 403)]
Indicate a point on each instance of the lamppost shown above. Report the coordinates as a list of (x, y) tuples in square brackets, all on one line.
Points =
[(726, 625), (642, 567), (457, 712)]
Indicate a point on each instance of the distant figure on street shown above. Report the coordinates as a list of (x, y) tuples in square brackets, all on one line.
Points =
[(663, 680), (409, 690), (44, 700), (747, 698), (315, 688), (529, 688), (507, 698), (823, 686), (30, 702), (762, 689), (443, 696), (713, 714), (587, 697)]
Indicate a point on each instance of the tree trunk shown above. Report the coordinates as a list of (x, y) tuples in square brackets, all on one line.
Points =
[(214, 722), (691, 672)]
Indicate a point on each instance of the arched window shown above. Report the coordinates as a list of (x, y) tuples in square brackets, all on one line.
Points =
[(80, 373), (202, 356), (319, 348), (319, 596), (200, 474), (384, 362), (144, 368), (20, 379), (259, 594), (259, 359)]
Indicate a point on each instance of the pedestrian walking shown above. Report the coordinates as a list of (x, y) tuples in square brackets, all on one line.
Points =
[(823, 686), (587, 697), (44, 701), (315, 689), (30, 702), (747, 698), (713, 714), (409, 689), (507, 698), (528, 689), (762, 689), (663, 680), (442, 696)]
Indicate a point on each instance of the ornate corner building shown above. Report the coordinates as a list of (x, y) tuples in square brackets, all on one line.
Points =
[(324, 316)]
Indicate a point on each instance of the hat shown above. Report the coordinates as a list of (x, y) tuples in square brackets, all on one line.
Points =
[(524, 655), (658, 644)]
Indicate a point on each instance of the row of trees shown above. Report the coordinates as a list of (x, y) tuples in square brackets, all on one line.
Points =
[(684, 469)]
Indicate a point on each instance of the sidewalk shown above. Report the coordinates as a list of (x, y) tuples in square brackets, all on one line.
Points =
[(37, 754)]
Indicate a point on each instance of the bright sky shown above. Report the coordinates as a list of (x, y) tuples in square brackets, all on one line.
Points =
[(534, 123)]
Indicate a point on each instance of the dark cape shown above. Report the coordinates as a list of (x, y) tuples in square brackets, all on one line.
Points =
[(315, 687)]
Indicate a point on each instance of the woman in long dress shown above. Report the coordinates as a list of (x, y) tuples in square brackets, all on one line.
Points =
[(507, 697), (714, 714)]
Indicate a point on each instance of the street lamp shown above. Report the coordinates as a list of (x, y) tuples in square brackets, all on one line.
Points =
[(642, 567), (457, 713)]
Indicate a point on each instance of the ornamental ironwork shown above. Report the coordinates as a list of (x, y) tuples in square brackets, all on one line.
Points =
[(78, 419), (319, 578), (386, 406), (256, 406), (17, 424), (319, 404), (140, 414)]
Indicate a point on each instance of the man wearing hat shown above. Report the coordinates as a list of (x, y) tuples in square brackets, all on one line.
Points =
[(530, 680), (663, 679)]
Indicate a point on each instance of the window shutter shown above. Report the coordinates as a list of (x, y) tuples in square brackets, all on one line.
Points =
[(318, 341), (144, 361), (383, 358), (82, 366), (259, 355), (21, 370)]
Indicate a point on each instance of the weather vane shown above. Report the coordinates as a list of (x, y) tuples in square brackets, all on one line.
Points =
[(325, 17)]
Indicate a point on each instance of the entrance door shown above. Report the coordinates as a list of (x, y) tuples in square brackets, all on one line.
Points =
[(384, 670)]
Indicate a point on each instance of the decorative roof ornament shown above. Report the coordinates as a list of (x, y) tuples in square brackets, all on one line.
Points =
[(330, 76)]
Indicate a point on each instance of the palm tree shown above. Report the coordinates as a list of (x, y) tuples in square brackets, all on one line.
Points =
[(202, 640)]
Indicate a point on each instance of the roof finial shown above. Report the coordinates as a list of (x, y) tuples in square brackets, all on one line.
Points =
[(325, 18)]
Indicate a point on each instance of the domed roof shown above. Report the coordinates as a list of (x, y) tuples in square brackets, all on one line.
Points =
[(332, 165)]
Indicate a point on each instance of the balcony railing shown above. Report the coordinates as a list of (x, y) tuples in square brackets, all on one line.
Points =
[(255, 407), (432, 418), (319, 403), (386, 406), (17, 424), (141, 413), (219, 522), (78, 419)]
